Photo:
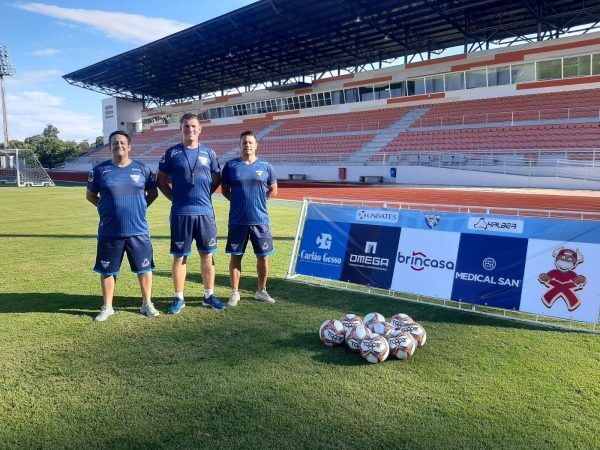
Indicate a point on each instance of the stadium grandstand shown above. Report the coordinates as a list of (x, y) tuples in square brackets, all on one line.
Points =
[(504, 93)]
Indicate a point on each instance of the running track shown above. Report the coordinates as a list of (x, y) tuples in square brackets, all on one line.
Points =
[(533, 199), (513, 198)]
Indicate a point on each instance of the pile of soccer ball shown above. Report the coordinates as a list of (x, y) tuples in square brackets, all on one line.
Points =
[(373, 337)]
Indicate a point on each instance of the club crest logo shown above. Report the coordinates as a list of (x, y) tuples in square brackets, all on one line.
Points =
[(179, 245), (136, 177), (562, 282), (145, 263), (432, 220), (91, 176), (212, 242), (265, 246), (105, 264), (203, 160), (260, 173)]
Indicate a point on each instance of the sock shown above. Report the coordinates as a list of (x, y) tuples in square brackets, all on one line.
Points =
[(233, 290), (179, 295), (208, 292)]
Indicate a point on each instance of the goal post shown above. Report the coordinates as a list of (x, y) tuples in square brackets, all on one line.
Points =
[(21, 168)]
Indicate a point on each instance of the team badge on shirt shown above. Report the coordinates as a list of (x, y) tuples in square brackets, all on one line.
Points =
[(260, 173), (203, 160), (136, 177)]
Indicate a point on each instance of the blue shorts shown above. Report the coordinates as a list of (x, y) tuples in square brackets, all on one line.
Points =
[(184, 229), (259, 235), (110, 251)]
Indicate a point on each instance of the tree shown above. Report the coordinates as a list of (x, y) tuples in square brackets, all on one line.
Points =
[(99, 141), (50, 150), (50, 131)]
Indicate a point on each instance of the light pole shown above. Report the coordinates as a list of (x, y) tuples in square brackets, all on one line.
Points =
[(5, 70)]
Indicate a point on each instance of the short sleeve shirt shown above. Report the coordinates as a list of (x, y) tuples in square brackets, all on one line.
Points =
[(249, 184), (191, 174), (122, 204)]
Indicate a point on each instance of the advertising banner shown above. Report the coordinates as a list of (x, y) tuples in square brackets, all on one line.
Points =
[(544, 266)]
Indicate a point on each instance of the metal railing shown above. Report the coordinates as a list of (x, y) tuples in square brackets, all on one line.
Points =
[(510, 117)]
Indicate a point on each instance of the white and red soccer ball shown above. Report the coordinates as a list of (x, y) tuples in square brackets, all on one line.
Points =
[(374, 348), (373, 318), (382, 328), (332, 332), (350, 321), (354, 335), (417, 331), (402, 344), (399, 320)]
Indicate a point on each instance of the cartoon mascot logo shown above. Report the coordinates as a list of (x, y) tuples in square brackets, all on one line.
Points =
[(563, 281)]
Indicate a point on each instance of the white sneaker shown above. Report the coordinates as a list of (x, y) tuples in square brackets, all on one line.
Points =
[(105, 313), (234, 299), (264, 296), (149, 310)]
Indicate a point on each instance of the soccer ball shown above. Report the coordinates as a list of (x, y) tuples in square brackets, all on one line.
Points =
[(382, 328), (417, 331), (374, 348), (332, 333), (354, 335), (402, 344), (399, 320), (350, 321), (373, 318)]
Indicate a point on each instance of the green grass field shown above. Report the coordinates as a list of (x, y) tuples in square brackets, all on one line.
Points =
[(257, 376)]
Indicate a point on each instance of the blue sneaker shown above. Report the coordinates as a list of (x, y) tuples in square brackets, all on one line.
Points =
[(176, 306), (212, 302)]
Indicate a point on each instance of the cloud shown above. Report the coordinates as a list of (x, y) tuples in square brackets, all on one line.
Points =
[(46, 52), (31, 78), (123, 26), (29, 112)]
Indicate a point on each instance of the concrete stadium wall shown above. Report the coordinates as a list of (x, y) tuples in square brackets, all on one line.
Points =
[(432, 176)]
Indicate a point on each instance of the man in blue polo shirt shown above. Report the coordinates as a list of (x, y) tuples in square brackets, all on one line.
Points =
[(122, 189), (248, 182), (188, 173)]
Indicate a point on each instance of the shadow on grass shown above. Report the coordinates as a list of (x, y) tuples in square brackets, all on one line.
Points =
[(363, 303), (222, 239), (285, 292), (73, 304)]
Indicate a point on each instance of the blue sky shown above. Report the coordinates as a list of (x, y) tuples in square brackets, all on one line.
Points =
[(50, 39)]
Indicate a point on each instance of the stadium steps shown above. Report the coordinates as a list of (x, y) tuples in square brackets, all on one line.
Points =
[(233, 152), (165, 143), (387, 135)]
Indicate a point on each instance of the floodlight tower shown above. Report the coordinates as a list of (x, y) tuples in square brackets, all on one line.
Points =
[(5, 70)]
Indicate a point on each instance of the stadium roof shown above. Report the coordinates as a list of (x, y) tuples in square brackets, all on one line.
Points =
[(275, 40)]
